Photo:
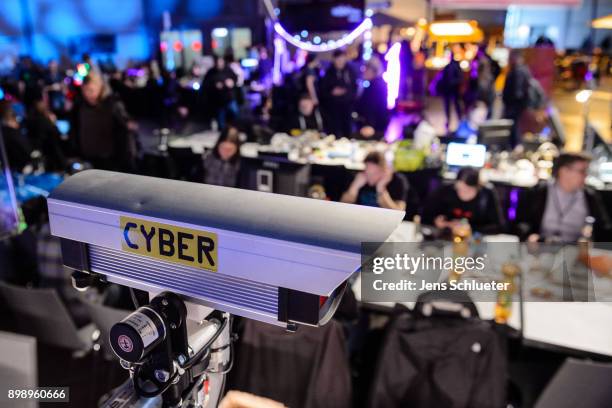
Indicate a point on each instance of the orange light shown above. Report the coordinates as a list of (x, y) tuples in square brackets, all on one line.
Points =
[(178, 46), (196, 45)]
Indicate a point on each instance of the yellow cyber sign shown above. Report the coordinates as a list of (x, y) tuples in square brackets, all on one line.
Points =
[(169, 243)]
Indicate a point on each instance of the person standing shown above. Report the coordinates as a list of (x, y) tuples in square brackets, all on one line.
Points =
[(218, 86), (372, 104), (309, 78), (450, 89), (338, 89), (101, 129), (515, 92)]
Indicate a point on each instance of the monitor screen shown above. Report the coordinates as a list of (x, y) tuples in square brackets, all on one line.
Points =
[(465, 155)]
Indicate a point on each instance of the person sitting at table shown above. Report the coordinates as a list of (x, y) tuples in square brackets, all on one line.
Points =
[(306, 118), (377, 185), (557, 210), (222, 163), (466, 199)]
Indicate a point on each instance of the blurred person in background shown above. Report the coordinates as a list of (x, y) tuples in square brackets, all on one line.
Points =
[(338, 89), (481, 85), (237, 69), (222, 163), (18, 147), (218, 87), (516, 91), (44, 134), (378, 185), (101, 128), (465, 199), (53, 75), (372, 104), (55, 87), (309, 78), (306, 118), (557, 211), (449, 87)]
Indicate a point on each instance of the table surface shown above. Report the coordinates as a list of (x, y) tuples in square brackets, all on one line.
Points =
[(581, 326), (202, 141)]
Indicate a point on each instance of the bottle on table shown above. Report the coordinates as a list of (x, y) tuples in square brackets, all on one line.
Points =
[(503, 307)]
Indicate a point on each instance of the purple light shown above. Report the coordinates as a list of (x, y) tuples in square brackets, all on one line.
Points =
[(392, 74), (514, 198), (279, 49), (349, 38)]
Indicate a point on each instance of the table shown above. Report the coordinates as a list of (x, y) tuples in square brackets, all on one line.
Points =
[(198, 142), (577, 326)]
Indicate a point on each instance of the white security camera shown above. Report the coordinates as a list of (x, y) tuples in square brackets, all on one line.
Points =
[(279, 259)]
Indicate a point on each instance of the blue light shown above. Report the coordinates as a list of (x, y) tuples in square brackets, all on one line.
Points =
[(249, 62), (207, 8), (170, 64), (277, 11), (366, 84), (44, 48), (304, 33), (117, 15), (316, 40), (369, 13), (11, 17), (133, 45), (62, 21), (1, 94), (196, 86)]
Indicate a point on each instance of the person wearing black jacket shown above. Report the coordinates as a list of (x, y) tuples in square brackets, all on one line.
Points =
[(18, 148), (449, 87), (306, 118), (100, 127), (338, 89), (372, 104), (44, 135), (219, 86), (378, 185), (465, 199), (516, 92), (557, 211)]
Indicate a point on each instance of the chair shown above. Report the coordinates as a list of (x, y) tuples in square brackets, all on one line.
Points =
[(18, 364), (41, 313), (187, 165), (579, 383), (104, 318)]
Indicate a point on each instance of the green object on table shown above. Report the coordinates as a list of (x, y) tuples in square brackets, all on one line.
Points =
[(407, 158)]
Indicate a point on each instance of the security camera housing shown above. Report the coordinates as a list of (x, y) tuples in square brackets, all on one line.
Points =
[(274, 258)]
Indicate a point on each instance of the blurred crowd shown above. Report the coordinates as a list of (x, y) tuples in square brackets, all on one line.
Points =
[(91, 114)]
